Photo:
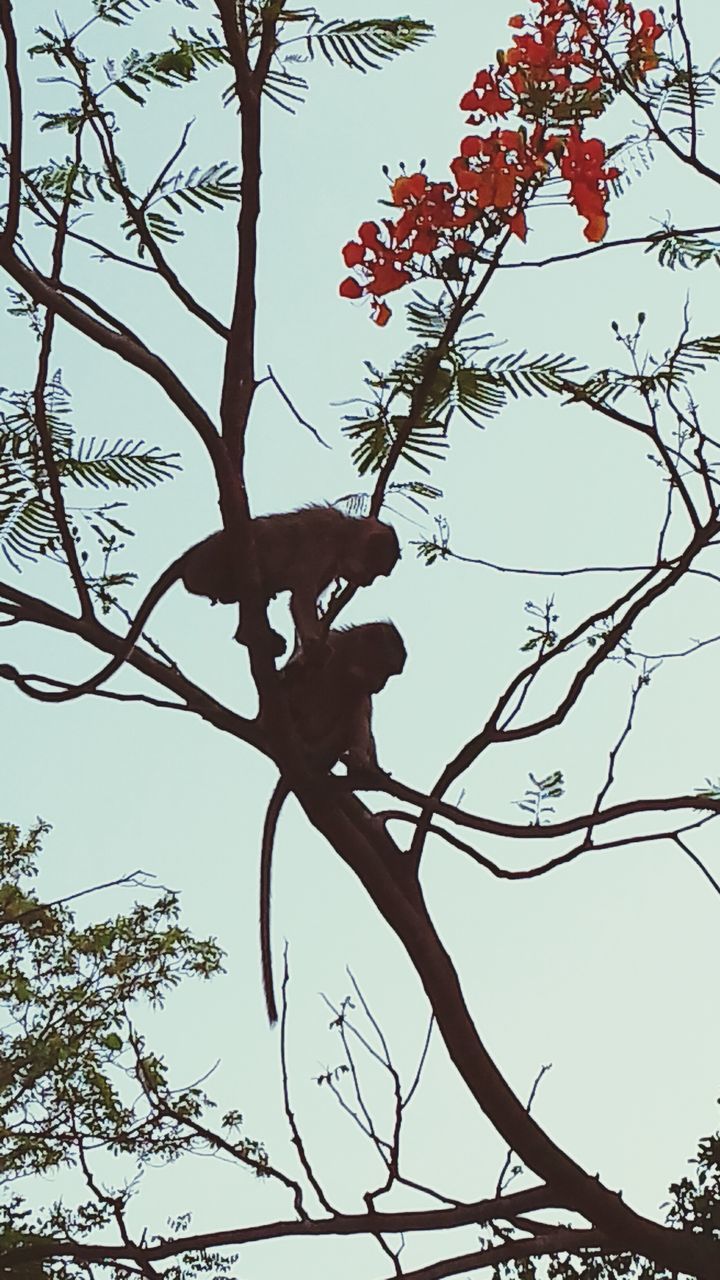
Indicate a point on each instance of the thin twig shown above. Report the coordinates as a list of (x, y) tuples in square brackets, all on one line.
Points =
[(303, 421)]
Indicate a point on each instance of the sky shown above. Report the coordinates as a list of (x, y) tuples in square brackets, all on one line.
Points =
[(607, 969)]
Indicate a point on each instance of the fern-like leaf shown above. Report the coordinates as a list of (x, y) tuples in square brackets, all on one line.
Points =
[(164, 230), (283, 89), (65, 180), (539, 377), (212, 187), (682, 91), (676, 250), (215, 186), (126, 464), (375, 436), (687, 359), (428, 317), (28, 531), (172, 67), (363, 44), (68, 120), (119, 12), (607, 386), (472, 392)]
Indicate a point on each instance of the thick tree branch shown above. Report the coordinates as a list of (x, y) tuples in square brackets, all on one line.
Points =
[(549, 830), (388, 879), (239, 380), (570, 1241), (504, 1207), (12, 221)]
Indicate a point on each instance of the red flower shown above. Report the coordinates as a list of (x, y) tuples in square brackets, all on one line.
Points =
[(405, 188), (425, 241), (518, 225), (353, 253), (381, 313), (350, 289), (385, 277), (582, 165), (369, 234), (471, 146), (596, 227), (470, 101)]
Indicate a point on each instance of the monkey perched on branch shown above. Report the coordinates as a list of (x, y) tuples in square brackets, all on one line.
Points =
[(330, 706), (297, 551)]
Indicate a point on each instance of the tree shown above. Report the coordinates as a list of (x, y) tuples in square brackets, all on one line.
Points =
[(554, 116)]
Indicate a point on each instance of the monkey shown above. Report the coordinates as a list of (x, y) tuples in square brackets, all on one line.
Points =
[(330, 706), (297, 551)]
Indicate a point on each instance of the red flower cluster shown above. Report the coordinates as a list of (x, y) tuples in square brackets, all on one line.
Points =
[(497, 172), (553, 77), (555, 70), (431, 215)]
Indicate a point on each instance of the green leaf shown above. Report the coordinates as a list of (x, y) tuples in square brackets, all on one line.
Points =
[(215, 186), (172, 68), (126, 463), (284, 89), (689, 358), (363, 44), (119, 12), (375, 437), (27, 531), (541, 376)]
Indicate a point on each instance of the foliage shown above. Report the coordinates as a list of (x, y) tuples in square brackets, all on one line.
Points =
[(28, 519), (77, 1077), (363, 44), (453, 382), (687, 251)]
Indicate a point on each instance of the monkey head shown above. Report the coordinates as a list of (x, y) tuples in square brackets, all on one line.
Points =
[(371, 654), (372, 552)]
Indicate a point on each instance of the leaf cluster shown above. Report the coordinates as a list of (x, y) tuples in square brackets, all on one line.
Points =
[(364, 44), (661, 375), (687, 251), (682, 91), (455, 381), (71, 1060), (170, 68), (28, 521), (360, 44)]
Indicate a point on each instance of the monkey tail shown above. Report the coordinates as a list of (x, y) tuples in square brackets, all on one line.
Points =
[(154, 595), (277, 800)]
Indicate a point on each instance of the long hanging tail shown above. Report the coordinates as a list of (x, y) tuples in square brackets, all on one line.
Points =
[(277, 800), (154, 595)]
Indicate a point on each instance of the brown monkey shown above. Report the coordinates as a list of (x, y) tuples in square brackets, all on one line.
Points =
[(298, 551), (331, 708)]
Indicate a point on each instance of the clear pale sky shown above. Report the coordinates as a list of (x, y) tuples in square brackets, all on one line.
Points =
[(607, 970)]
